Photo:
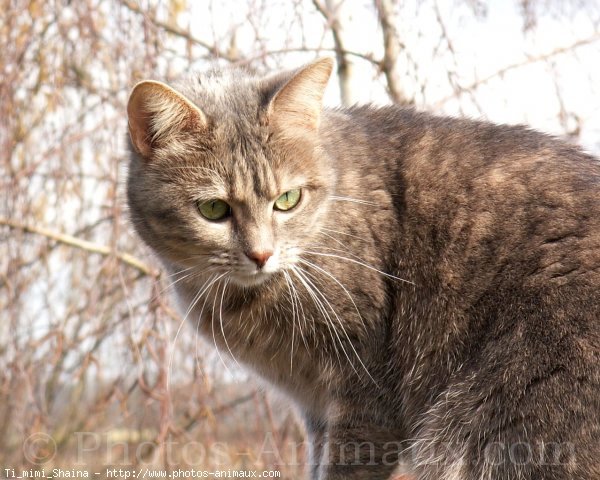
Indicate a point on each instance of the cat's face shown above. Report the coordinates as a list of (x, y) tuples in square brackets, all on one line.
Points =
[(216, 197), (243, 214)]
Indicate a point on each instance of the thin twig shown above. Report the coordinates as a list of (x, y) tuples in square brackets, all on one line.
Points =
[(523, 63), (173, 30)]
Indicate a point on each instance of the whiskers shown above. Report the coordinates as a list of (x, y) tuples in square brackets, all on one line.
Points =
[(203, 292), (323, 319), (334, 324), (297, 307), (212, 323), (357, 260), (188, 273), (311, 275)]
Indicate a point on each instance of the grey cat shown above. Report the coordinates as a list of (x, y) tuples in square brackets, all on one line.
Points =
[(425, 289)]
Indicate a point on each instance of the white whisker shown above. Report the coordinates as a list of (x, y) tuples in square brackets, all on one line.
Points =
[(221, 322), (322, 270), (212, 325), (344, 233), (292, 301), (353, 200), (181, 324), (339, 242), (366, 265), (184, 277), (345, 250), (300, 311), (158, 292)]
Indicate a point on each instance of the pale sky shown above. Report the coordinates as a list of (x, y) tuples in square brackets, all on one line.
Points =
[(482, 47)]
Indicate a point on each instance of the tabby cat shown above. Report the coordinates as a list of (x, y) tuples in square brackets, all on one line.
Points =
[(425, 289)]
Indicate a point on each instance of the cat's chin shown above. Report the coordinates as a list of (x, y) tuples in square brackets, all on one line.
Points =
[(250, 280)]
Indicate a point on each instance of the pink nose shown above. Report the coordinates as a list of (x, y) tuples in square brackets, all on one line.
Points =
[(260, 258)]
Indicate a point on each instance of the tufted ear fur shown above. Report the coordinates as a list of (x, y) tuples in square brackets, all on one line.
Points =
[(158, 114), (298, 103)]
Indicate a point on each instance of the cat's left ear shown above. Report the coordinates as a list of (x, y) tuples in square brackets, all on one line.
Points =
[(159, 114), (297, 104)]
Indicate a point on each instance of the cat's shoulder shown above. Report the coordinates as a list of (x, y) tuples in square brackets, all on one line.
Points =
[(408, 122)]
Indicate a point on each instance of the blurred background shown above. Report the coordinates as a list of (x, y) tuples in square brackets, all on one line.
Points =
[(97, 368)]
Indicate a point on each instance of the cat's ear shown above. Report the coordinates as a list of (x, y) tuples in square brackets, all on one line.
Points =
[(297, 104), (159, 114)]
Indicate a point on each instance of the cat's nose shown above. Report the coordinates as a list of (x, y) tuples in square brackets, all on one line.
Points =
[(260, 258)]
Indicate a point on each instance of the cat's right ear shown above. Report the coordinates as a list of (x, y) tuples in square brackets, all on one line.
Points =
[(158, 114)]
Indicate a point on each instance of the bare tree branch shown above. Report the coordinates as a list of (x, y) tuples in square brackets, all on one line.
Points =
[(530, 60), (363, 56), (229, 55), (392, 46), (343, 65), (81, 244)]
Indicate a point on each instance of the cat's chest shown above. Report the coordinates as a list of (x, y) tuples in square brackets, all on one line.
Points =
[(269, 339)]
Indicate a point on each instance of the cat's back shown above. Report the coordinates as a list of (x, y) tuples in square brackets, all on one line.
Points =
[(499, 228), (486, 195), (444, 150)]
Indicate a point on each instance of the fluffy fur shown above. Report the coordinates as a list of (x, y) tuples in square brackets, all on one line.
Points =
[(433, 298)]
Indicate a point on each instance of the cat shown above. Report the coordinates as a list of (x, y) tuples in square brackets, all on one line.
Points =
[(425, 289)]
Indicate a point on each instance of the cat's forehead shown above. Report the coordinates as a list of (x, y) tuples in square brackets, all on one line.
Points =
[(224, 95), (253, 181), (237, 173)]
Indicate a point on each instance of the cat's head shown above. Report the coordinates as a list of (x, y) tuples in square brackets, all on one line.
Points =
[(227, 175)]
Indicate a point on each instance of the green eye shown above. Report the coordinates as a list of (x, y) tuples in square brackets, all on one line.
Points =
[(288, 200), (214, 209)]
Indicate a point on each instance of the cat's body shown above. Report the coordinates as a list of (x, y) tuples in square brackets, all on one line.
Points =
[(440, 301)]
